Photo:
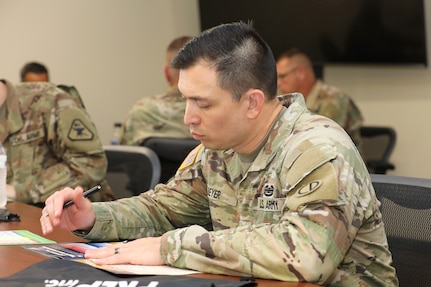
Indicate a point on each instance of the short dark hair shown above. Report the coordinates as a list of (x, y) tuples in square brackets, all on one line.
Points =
[(241, 58), (33, 67)]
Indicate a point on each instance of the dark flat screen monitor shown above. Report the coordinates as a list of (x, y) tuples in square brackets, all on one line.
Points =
[(380, 32)]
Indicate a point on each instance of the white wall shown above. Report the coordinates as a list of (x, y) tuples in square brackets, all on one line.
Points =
[(113, 50)]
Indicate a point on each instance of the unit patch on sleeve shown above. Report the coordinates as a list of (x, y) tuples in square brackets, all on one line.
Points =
[(78, 131), (190, 158), (309, 188)]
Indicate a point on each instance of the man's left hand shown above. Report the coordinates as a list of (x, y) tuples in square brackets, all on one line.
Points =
[(144, 251)]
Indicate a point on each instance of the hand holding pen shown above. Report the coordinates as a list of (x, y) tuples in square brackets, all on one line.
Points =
[(86, 194), (58, 212)]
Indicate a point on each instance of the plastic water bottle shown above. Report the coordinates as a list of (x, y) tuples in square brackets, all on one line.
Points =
[(3, 174), (117, 132)]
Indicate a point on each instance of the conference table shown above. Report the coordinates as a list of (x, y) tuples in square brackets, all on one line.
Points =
[(14, 258)]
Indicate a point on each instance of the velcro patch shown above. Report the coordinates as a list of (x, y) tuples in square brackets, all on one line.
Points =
[(27, 137), (309, 160)]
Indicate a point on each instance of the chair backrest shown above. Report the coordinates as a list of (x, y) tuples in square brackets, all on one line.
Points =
[(171, 153), (377, 145), (131, 169), (406, 211)]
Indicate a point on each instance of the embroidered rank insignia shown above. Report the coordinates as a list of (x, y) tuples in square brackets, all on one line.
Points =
[(309, 188), (268, 189), (78, 131), (190, 158)]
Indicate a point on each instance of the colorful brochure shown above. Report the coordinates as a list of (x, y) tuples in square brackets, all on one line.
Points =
[(21, 237)]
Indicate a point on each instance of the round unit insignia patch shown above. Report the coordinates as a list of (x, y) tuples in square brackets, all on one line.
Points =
[(268, 189), (309, 188)]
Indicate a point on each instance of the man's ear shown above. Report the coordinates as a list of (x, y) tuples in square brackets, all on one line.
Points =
[(301, 72), (167, 74), (3, 93), (256, 100)]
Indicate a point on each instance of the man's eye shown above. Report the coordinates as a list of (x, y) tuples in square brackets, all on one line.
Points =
[(202, 104)]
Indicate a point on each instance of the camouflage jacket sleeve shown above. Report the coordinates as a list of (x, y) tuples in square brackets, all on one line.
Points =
[(68, 154), (154, 212)]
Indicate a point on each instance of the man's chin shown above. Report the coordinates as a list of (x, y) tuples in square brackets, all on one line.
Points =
[(213, 146)]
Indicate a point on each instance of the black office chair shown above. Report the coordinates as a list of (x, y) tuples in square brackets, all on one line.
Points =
[(171, 153), (377, 145), (131, 169), (406, 211)]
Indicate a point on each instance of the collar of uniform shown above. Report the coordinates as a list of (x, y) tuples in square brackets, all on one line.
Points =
[(281, 129)]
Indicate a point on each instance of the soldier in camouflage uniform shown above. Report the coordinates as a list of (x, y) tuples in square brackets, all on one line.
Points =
[(274, 191), (160, 115), (296, 74), (50, 141)]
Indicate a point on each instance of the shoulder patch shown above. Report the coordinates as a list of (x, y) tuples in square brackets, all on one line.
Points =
[(320, 185), (191, 157), (309, 188), (79, 132)]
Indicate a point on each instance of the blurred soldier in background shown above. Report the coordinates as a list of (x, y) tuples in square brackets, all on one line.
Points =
[(51, 142), (160, 115), (34, 72), (295, 74)]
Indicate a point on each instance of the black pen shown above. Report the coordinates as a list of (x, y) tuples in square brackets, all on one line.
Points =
[(85, 194)]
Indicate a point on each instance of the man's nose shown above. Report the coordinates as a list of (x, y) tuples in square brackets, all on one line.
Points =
[(190, 115)]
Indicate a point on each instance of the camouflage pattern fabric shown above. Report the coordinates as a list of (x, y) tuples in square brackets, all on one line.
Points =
[(157, 116), (51, 143), (304, 210), (333, 103)]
